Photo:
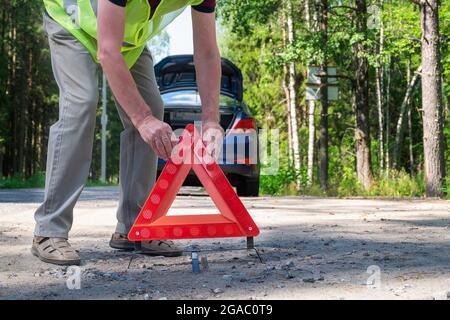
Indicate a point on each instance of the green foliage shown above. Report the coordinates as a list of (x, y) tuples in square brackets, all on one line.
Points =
[(18, 182), (37, 180), (346, 184), (398, 184), (283, 183), (253, 38), (242, 16)]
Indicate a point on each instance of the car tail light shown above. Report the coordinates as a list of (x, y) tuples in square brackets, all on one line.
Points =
[(243, 125)]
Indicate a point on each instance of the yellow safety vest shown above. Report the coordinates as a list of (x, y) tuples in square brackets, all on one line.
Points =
[(79, 17)]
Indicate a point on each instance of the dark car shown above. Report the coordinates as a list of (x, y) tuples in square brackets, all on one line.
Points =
[(239, 159)]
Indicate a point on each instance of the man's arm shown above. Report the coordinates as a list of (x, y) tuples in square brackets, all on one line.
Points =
[(111, 26), (208, 70)]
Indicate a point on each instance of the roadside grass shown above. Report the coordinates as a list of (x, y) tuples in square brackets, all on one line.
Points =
[(18, 182), (38, 181), (395, 184)]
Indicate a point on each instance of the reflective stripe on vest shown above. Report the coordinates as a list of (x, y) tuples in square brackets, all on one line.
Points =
[(79, 17)]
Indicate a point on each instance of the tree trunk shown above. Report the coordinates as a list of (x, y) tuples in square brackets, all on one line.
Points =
[(387, 101), (307, 15), (292, 96), (323, 138), (411, 149), (311, 111), (286, 90), (409, 116), (311, 140), (288, 109), (433, 142), (379, 85), (361, 99), (400, 126)]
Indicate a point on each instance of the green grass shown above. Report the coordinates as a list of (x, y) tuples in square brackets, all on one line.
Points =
[(18, 182), (396, 184), (38, 181)]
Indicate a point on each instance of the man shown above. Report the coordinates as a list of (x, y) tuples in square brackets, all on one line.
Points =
[(114, 33)]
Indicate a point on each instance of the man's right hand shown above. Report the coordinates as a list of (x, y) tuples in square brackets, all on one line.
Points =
[(158, 135)]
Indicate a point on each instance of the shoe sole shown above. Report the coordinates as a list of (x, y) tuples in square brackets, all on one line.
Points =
[(121, 245), (128, 246), (35, 253), (164, 254)]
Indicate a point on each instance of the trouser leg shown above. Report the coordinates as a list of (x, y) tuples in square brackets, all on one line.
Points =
[(138, 162), (71, 137)]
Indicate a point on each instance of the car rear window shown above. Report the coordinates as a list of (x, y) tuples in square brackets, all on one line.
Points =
[(192, 98)]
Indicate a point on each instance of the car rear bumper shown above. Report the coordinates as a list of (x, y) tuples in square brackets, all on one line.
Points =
[(234, 172)]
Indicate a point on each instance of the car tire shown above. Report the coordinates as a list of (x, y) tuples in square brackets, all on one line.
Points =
[(248, 188)]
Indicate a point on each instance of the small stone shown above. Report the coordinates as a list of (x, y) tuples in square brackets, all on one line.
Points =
[(217, 291), (147, 296), (227, 278), (288, 265), (163, 298), (309, 280), (289, 276), (398, 292)]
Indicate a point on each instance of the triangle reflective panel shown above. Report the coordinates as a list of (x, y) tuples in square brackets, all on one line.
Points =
[(153, 223)]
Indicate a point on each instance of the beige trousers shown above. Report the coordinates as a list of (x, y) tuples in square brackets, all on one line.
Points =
[(71, 137)]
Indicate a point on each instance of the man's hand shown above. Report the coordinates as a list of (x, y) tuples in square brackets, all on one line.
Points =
[(158, 135), (212, 136)]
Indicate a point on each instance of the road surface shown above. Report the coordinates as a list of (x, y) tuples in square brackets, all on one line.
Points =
[(313, 248)]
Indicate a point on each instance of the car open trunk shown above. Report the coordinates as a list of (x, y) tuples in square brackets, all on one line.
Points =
[(177, 83), (184, 107)]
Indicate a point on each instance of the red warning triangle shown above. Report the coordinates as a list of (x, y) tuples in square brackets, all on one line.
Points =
[(153, 222)]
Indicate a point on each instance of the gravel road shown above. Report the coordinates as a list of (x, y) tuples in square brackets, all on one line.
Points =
[(313, 248)]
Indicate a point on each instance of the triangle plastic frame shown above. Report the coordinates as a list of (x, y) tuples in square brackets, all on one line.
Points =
[(153, 223)]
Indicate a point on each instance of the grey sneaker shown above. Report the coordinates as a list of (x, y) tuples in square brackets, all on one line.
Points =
[(55, 250)]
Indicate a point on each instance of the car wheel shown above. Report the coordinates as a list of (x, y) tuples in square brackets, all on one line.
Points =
[(248, 188)]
